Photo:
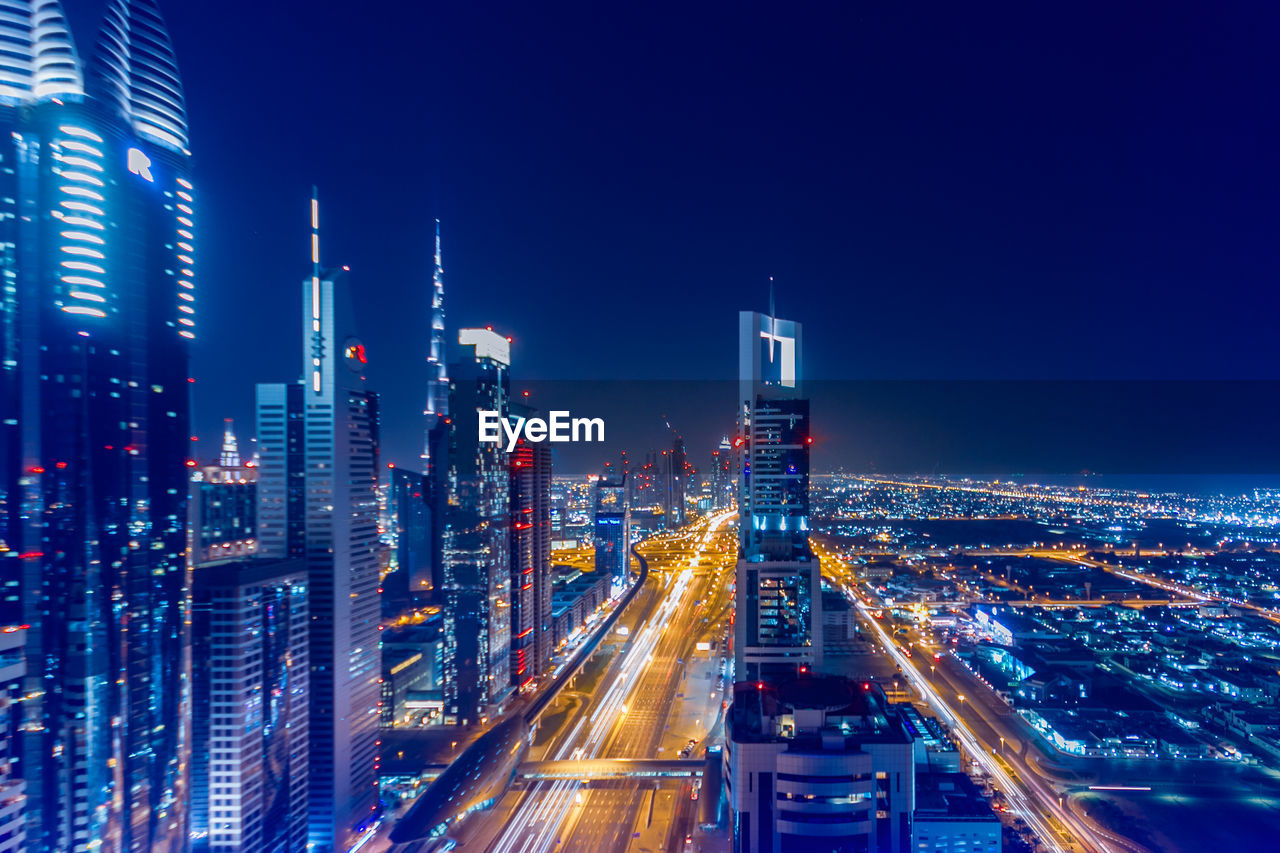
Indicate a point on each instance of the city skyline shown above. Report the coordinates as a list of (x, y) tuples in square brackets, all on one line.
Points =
[(974, 545)]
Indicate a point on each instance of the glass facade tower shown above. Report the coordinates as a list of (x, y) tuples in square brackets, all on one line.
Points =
[(97, 311), (779, 601), (477, 545)]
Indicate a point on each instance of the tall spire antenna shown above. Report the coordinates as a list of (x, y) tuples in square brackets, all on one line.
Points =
[(771, 314), (315, 233), (317, 337), (437, 374)]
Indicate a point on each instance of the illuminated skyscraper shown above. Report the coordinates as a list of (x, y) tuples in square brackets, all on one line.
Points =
[(13, 796), (778, 628), (612, 528), (410, 581), (97, 312), (224, 505), (674, 483), (281, 522), (249, 765), (437, 373), (722, 475), (328, 426), (530, 520), (477, 546), (435, 451)]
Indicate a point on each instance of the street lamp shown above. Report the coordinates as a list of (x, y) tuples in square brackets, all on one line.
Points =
[(1002, 744)]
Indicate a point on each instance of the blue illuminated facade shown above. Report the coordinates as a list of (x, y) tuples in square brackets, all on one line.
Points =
[(97, 259), (778, 629), (477, 544)]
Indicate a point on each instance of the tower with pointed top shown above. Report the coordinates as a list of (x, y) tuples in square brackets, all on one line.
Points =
[(437, 372), (97, 314), (318, 498), (230, 456)]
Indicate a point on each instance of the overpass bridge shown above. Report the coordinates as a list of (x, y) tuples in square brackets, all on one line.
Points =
[(599, 769), (594, 769)]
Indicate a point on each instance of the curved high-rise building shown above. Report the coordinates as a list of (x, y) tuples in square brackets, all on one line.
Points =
[(97, 312)]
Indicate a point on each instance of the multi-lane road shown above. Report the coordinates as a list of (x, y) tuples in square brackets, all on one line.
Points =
[(626, 713), (982, 737)]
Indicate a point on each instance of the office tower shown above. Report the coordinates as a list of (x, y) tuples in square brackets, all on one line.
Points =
[(477, 543), (674, 483), (97, 312), (612, 528), (250, 634), (778, 621), (410, 581), (341, 452), (413, 672), (224, 505), (818, 763), (318, 493), (722, 475), (282, 470), (13, 790), (530, 515)]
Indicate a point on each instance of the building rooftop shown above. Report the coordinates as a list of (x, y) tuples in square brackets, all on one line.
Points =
[(950, 796)]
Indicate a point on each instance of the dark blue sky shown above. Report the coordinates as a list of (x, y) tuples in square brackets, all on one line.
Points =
[(941, 190)]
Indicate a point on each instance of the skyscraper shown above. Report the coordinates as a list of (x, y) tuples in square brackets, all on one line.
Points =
[(328, 427), (722, 475), (410, 580), (437, 373), (778, 625), (530, 524), (476, 540), (13, 790), (250, 631), (435, 450), (612, 528), (281, 521), (224, 505), (673, 502), (97, 311)]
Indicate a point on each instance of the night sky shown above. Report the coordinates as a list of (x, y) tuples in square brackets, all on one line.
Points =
[(941, 190)]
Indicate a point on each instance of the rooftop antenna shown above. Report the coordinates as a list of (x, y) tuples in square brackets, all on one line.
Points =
[(771, 314), (316, 336)]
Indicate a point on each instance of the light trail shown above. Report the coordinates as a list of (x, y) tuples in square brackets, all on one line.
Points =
[(535, 824), (1015, 794)]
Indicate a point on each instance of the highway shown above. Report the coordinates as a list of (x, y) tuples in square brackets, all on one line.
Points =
[(626, 714), (1059, 829)]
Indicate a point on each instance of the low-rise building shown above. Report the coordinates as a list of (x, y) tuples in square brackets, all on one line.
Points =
[(952, 816), (818, 760)]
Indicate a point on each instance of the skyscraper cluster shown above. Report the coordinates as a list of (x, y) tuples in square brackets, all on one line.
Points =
[(123, 559)]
